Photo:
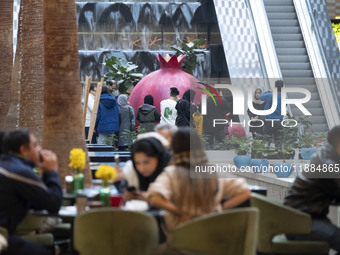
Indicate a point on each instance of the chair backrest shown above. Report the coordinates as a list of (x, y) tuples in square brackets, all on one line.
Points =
[(230, 232), (275, 219), (111, 231)]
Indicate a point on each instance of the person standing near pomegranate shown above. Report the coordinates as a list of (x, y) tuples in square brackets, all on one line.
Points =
[(147, 114), (168, 110), (107, 122), (185, 110)]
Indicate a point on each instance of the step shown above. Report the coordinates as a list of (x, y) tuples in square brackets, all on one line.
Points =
[(294, 95), (286, 30), (300, 81), (320, 127), (313, 104), (284, 23), (293, 59), (310, 88), (279, 9), (297, 73), (295, 66), (280, 16), (291, 51), (287, 37), (289, 44), (278, 2), (313, 111)]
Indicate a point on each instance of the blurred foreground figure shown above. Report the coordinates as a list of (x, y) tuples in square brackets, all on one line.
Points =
[(318, 187), (22, 189)]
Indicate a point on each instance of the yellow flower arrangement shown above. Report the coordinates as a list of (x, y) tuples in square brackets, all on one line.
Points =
[(106, 173), (77, 158)]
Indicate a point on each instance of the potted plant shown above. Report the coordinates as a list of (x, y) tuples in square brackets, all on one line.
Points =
[(308, 140), (260, 150), (241, 146), (123, 73), (285, 149)]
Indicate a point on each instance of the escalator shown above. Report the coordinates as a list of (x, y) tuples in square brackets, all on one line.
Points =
[(293, 58)]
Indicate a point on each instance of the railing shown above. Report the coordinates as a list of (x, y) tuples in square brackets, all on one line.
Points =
[(318, 62)]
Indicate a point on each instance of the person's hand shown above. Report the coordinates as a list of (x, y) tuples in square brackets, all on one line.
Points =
[(49, 161), (129, 195)]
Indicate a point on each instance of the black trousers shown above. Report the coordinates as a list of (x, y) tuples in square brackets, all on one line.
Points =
[(19, 246), (322, 230), (273, 130)]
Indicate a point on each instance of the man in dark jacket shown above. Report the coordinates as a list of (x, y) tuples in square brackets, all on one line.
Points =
[(107, 122), (316, 189), (21, 188)]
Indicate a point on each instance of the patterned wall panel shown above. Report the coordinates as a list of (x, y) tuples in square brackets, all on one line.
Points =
[(333, 7), (327, 37), (239, 39)]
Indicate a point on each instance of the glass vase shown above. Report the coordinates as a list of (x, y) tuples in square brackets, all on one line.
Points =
[(78, 182), (105, 193)]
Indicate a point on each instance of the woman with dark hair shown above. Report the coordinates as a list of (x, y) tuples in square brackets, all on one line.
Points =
[(185, 198), (149, 157), (147, 114), (184, 109), (127, 122), (107, 122)]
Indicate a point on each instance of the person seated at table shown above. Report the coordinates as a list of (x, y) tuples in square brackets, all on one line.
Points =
[(316, 189), (166, 130), (149, 157), (21, 188), (185, 198)]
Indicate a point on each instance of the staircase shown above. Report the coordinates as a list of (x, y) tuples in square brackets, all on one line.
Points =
[(293, 58)]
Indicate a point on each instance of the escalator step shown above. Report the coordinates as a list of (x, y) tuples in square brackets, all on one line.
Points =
[(300, 81), (284, 23), (313, 111), (280, 16), (289, 44), (278, 2), (291, 51), (287, 37), (285, 30), (295, 66), (293, 59), (297, 73), (280, 9)]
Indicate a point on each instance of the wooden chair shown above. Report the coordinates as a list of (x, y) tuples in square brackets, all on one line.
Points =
[(230, 232), (111, 231), (276, 220)]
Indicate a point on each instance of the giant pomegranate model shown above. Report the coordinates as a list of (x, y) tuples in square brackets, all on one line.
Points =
[(158, 83)]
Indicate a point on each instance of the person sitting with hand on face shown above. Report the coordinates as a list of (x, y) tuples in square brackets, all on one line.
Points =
[(21, 189)]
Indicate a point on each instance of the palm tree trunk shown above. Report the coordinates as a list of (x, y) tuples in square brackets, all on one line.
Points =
[(32, 77), (63, 127), (6, 57)]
